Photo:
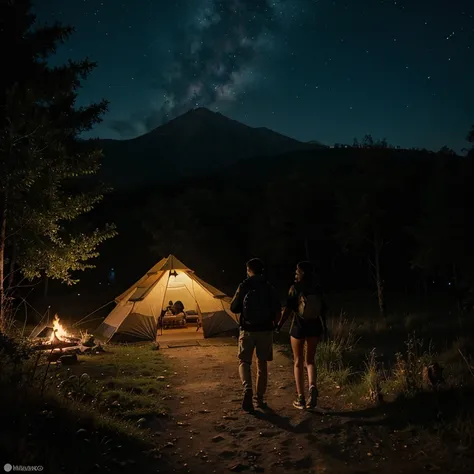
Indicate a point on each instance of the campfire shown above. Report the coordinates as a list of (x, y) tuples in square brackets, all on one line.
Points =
[(59, 333), (59, 344), (55, 335)]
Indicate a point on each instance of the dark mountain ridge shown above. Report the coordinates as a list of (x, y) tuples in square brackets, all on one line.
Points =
[(194, 144)]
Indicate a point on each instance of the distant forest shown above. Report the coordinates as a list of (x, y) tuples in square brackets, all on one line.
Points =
[(370, 216)]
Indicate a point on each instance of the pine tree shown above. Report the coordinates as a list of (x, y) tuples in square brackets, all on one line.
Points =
[(46, 178)]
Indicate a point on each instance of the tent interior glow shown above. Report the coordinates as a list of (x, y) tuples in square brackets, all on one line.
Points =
[(139, 308)]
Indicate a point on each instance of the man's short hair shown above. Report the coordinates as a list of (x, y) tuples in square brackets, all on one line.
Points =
[(256, 266)]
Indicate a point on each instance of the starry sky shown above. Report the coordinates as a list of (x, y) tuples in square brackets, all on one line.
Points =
[(311, 69)]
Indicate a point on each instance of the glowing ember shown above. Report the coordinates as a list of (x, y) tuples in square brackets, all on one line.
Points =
[(58, 331)]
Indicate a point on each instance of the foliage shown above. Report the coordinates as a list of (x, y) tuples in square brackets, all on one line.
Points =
[(332, 354), (46, 179), (368, 210), (371, 378), (180, 223), (442, 233), (113, 385), (292, 217), (13, 351), (446, 151), (395, 212), (199, 225), (409, 366), (470, 137), (369, 142), (37, 427)]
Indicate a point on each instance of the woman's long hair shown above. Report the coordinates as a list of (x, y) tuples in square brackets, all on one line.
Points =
[(310, 278)]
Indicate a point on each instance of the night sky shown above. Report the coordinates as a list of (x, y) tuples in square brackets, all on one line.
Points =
[(313, 70)]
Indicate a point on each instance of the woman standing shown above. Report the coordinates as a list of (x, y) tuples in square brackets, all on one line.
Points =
[(306, 303)]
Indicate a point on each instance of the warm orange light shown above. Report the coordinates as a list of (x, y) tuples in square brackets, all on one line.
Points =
[(58, 331)]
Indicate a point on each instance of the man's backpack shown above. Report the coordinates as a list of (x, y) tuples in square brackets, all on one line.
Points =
[(310, 307), (257, 306)]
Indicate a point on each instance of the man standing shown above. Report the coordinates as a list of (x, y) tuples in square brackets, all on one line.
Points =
[(257, 303)]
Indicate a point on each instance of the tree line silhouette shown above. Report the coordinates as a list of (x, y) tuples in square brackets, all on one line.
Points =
[(369, 215)]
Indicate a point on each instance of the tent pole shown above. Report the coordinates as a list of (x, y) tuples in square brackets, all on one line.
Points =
[(164, 296), (198, 307)]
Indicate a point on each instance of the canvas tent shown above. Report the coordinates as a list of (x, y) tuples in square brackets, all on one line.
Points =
[(139, 308)]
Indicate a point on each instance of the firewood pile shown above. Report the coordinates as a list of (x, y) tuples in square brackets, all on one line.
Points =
[(46, 344), (60, 345)]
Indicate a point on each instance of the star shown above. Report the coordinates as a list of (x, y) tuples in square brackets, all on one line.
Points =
[(264, 59)]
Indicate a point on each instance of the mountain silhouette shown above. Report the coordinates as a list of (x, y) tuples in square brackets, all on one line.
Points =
[(194, 144)]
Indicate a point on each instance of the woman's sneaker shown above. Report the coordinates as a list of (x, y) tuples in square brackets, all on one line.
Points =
[(261, 403), (313, 397), (300, 402)]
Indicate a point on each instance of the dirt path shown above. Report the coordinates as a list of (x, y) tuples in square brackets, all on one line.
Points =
[(208, 431)]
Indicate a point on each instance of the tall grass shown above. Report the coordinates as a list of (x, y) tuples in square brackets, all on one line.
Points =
[(56, 413), (372, 378), (410, 369), (332, 354)]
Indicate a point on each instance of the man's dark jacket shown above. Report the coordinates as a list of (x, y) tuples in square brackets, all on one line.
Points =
[(256, 282)]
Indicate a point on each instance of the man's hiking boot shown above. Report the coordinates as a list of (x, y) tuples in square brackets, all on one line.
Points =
[(313, 397), (247, 403), (300, 402), (261, 403)]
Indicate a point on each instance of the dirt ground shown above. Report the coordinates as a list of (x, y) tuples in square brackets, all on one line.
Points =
[(208, 431)]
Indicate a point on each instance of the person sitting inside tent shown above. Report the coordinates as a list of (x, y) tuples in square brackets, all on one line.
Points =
[(166, 311), (174, 316), (178, 309)]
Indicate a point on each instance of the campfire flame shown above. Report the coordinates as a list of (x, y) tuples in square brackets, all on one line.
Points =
[(59, 332)]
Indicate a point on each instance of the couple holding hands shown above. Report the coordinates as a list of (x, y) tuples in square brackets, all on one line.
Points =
[(260, 314)]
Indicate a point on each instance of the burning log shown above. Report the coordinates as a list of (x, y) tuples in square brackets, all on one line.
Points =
[(59, 333), (59, 346), (47, 346), (55, 337)]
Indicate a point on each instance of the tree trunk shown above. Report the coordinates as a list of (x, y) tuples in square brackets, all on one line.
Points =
[(3, 237), (11, 275), (378, 278)]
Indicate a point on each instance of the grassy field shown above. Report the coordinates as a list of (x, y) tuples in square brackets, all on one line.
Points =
[(128, 382), (99, 415), (112, 405), (412, 374)]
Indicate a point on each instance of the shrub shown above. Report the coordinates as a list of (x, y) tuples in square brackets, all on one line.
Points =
[(371, 378), (409, 369), (331, 354), (14, 355)]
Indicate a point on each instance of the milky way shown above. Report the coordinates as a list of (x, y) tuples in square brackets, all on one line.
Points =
[(214, 62), (325, 70)]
